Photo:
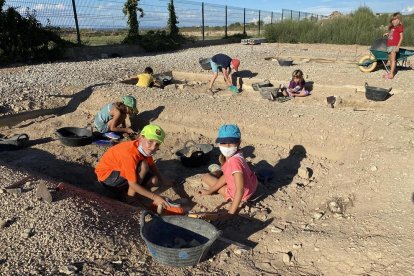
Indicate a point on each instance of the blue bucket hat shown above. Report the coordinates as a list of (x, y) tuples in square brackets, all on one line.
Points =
[(228, 134)]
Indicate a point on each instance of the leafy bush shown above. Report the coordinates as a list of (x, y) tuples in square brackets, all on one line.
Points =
[(131, 9), (236, 37), (159, 41), (361, 27), (24, 38)]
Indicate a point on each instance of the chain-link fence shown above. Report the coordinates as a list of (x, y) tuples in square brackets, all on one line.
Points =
[(103, 21)]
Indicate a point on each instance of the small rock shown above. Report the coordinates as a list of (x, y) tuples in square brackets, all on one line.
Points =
[(296, 115), (240, 251), (334, 207), (68, 270), (338, 101), (374, 168), (286, 257), (16, 191), (2, 191), (27, 233), (266, 266), (3, 223), (275, 229), (304, 173), (317, 215), (297, 246)]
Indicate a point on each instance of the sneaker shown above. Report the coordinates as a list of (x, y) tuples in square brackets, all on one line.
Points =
[(112, 135)]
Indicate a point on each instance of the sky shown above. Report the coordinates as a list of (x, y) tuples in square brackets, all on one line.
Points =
[(322, 7)]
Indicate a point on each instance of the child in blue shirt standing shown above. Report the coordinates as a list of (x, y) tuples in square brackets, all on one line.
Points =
[(225, 64)]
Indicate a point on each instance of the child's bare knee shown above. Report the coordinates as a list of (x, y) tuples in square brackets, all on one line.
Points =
[(153, 181)]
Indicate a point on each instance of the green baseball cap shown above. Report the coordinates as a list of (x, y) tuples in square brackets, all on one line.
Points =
[(153, 132), (131, 102)]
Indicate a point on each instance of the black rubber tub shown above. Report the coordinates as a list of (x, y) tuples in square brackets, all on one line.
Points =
[(376, 93), (194, 155), (161, 233), (74, 136), (285, 61)]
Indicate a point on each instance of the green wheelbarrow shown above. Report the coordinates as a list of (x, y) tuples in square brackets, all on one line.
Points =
[(379, 53)]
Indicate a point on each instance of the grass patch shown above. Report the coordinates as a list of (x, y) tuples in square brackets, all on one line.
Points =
[(361, 27)]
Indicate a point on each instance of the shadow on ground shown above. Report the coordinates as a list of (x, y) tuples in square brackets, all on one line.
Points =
[(272, 178), (74, 102)]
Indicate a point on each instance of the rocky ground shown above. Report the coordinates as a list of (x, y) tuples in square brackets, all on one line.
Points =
[(340, 201)]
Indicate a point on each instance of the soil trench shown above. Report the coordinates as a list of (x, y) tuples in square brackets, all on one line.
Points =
[(335, 194)]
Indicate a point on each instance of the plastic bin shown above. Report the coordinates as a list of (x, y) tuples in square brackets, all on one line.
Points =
[(161, 231), (376, 93), (285, 62)]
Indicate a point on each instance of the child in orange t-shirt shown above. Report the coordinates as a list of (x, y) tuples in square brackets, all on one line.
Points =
[(130, 164)]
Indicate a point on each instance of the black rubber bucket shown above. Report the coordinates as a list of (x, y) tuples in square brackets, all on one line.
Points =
[(160, 234), (74, 136), (200, 154), (285, 62), (376, 93)]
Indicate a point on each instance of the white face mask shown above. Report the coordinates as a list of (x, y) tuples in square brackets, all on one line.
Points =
[(141, 150), (228, 152)]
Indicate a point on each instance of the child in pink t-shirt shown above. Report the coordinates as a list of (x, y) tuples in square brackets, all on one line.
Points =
[(395, 37), (238, 182)]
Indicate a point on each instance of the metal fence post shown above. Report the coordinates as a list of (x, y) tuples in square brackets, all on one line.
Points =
[(244, 21), (202, 19), (291, 15), (75, 15), (225, 27), (282, 15), (259, 23), (299, 16), (271, 18)]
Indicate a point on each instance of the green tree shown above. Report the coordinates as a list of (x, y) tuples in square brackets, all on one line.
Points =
[(23, 38), (131, 9), (172, 20)]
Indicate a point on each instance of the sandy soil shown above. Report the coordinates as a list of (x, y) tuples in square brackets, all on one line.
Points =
[(340, 202)]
